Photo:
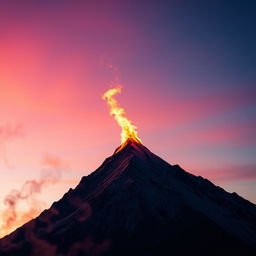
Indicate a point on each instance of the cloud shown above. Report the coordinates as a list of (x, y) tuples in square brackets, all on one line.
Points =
[(51, 172), (8, 133), (230, 173)]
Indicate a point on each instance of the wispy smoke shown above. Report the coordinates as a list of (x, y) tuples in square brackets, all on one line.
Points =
[(89, 246), (8, 132), (50, 174)]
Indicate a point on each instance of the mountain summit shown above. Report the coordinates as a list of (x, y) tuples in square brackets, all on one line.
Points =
[(135, 203)]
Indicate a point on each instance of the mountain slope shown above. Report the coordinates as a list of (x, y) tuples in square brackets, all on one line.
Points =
[(135, 203)]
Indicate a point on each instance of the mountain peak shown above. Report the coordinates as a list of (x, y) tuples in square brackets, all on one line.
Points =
[(130, 144), (134, 151)]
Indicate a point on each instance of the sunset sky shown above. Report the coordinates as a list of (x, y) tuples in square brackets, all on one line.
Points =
[(189, 84)]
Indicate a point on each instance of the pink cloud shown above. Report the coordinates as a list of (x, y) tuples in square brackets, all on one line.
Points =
[(230, 173)]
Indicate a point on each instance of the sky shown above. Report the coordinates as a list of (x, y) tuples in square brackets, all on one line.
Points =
[(187, 70)]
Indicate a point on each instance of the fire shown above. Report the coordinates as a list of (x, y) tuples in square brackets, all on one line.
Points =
[(128, 129)]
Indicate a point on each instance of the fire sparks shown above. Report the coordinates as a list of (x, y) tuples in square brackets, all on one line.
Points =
[(128, 129)]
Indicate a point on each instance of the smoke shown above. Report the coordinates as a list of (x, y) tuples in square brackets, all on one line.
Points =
[(8, 133), (89, 246), (39, 246), (50, 174)]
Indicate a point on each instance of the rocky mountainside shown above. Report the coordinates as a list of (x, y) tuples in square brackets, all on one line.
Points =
[(135, 203)]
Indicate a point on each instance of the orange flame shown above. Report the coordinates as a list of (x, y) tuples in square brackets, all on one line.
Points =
[(128, 129)]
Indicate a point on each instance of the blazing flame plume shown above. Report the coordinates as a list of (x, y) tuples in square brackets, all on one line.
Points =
[(128, 129)]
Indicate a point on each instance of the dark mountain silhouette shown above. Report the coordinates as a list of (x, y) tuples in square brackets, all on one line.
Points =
[(135, 203)]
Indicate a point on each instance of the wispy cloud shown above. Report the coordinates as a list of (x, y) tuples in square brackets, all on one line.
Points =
[(51, 172), (230, 173), (8, 133)]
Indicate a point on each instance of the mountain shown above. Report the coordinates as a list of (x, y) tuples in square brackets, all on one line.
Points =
[(135, 203)]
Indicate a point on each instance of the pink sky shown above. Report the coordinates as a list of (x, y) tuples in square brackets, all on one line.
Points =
[(54, 69)]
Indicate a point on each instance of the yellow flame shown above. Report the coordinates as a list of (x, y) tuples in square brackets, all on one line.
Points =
[(128, 129)]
